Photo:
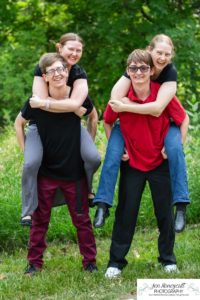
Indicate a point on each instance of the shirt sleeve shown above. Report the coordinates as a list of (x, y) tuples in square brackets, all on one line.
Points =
[(75, 73), (27, 111), (176, 111), (126, 75), (88, 105), (169, 73), (37, 71), (109, 115)]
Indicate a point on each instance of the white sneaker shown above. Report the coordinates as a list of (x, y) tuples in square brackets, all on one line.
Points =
[(171, 268), (112, 272)]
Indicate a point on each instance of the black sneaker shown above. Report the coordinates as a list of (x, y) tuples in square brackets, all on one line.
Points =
[(31, 270), (91, 267), (26, 221), (90, 200)]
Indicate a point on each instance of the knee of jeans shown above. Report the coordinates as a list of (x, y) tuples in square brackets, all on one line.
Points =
[(32, 166), (174, 149)]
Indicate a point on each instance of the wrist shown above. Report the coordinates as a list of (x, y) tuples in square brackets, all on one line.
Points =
[(47, 104)]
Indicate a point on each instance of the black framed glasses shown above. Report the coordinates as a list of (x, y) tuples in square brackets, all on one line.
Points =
[(142, 68), (57, 70)]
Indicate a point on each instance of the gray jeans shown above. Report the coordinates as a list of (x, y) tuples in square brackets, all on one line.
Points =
[(32, 160)]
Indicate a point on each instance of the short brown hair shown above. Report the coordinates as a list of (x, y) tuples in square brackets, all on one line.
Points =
[(48, 59), (139, 56)]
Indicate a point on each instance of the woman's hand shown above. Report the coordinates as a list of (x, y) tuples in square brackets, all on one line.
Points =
[(125, 156), (37, 102), (80, 111), (116, 105), (164, 155)]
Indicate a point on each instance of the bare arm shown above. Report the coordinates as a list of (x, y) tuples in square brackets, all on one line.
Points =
[(166, 92), (19, 125), (184, 128), (40, 89), (108, 129), (92, 123), (120, 88)]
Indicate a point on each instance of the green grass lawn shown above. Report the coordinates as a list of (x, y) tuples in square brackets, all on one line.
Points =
[(63, 278)]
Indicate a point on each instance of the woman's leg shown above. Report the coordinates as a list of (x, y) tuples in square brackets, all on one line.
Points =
[(178, 174), (110, 169), (90, 156), (32, 160), (109, 173)]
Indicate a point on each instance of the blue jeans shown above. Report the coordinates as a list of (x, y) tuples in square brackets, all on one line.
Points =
[(177, 165), (111, 165)]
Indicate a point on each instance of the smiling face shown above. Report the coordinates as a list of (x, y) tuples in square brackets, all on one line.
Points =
[(56, 75), (139, 72), (161, 55), (71, 51)]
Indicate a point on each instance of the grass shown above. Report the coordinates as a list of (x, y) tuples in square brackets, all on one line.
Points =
[(62, 277)]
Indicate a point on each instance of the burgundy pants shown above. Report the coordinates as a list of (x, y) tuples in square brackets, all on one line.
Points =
[(79, 213)]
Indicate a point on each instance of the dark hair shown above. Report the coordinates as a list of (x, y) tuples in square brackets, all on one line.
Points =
[(48, 59), (139, 56), (161, 38)]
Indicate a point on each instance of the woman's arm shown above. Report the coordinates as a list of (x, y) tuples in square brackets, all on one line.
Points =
[(19, 125), (165, 94), (40, 90), (92, 123), (108, 129), (121, 88)]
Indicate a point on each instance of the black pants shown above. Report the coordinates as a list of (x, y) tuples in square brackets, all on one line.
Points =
[(132, 183)]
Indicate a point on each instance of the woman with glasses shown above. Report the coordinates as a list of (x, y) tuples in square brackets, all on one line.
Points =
[(70, 47), (161, 49)]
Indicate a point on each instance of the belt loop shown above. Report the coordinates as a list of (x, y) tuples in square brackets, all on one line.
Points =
[(78, 197)]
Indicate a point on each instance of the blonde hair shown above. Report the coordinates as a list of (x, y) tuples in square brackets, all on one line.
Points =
[(70, 36), (161, 38), (139, 56), (48, 59)]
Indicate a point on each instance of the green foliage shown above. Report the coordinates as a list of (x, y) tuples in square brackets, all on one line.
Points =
[(111, 29)]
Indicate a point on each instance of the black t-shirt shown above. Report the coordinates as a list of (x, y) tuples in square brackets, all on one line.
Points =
[(169, 73), (60, 136), (76, 72)]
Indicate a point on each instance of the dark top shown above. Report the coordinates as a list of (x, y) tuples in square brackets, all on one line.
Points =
[(75, 73), (60, 136), (169, 73)]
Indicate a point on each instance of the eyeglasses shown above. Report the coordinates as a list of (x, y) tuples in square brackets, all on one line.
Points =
[(142, 68), (52, 72)]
